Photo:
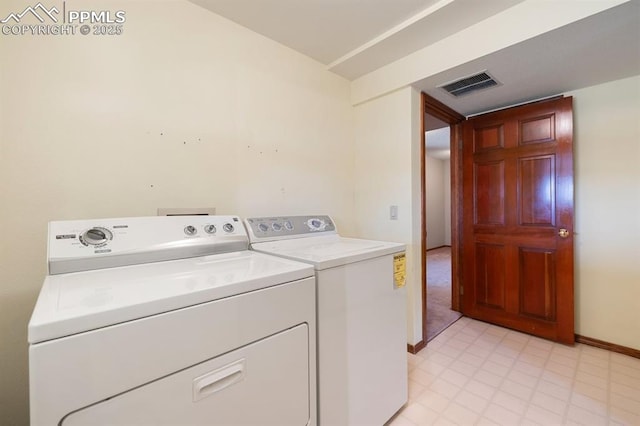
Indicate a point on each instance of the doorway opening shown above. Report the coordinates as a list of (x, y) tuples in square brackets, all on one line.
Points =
[(433, 109), (438, 226)]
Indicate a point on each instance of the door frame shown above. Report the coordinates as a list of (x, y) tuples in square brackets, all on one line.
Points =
[(435, 108)]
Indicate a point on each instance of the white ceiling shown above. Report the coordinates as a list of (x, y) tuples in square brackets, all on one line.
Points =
[(355, 37), (603, 47), (322, 29)]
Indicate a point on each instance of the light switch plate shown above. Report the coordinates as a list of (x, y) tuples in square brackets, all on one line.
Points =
[(393, 212)]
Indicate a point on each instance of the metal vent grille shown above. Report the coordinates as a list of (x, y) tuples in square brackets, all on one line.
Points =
[(466, 85)]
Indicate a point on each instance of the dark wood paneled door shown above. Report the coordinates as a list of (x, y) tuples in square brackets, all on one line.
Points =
[(517, 236)]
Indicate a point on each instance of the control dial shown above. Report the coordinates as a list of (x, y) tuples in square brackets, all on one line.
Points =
[(276, 227), (228, 227), (190, 230), (263, 227), (210, 229), (316, 224), (96, 236)]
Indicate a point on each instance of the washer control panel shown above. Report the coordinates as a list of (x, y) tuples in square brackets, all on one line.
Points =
[(272, 228), (74, 245)]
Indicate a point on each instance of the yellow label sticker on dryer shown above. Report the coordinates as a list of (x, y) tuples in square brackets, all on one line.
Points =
[(399, 270)]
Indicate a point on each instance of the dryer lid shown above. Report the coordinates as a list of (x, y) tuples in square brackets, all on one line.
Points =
[(83, 301)]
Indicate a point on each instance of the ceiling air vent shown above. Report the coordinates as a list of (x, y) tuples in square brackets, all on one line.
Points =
[(467, 85)]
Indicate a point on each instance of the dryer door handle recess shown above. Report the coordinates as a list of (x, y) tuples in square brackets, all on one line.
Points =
[(217, 380)]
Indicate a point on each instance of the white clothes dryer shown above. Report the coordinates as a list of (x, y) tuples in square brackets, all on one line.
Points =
[(170, 320), (361, 308)]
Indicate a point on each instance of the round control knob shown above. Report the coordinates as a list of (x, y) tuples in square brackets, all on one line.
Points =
[(228, 227), (190, 230), (263, 227), (288, 225), (276, 226), (316, 224), (210, 229), (96, 236)]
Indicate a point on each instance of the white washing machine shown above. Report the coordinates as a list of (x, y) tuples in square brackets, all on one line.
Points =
[(361, 308), (170, 321)]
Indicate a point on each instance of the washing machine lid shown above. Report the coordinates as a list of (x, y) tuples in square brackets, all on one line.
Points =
[(328, 251), (82, 301)]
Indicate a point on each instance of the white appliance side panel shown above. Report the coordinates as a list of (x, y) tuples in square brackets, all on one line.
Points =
[(265, 383), (362, 361), (70, 373)]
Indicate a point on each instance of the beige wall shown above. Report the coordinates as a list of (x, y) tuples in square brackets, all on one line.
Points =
[(184, 109), (438, 193), (387, 172), (447, 202), (435, 202), (607, 211)]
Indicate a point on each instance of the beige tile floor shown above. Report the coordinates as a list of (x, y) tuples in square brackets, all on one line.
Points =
[(476, 373)]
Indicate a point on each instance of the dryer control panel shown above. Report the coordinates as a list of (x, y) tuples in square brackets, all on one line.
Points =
[(81, 245), (286, 227)]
